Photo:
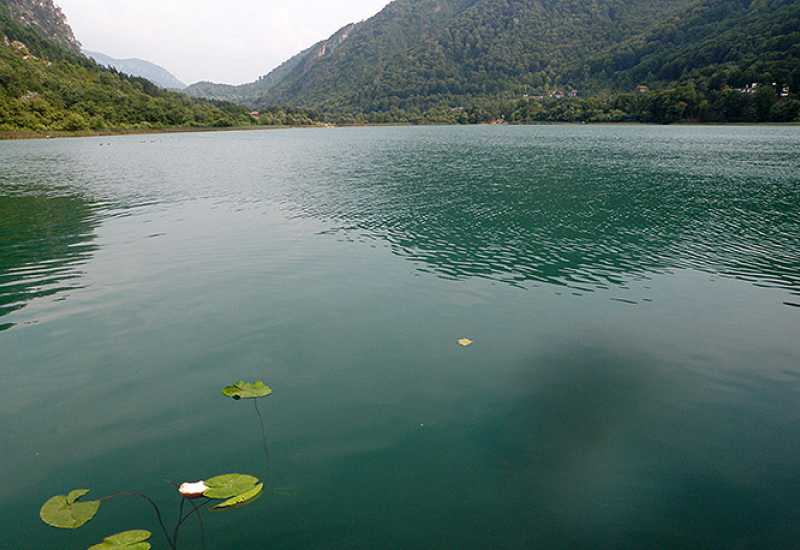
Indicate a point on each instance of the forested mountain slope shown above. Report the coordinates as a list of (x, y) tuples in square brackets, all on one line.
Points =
[(419, 55), (45, 84), (416, 52), (717, 43)]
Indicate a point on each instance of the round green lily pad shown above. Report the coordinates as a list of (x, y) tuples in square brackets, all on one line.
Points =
[(66, 512), (129, 540), (241, 500), (247, 390), (229, 485)]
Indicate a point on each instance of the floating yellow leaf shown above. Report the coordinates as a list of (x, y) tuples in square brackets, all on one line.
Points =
[(465, 342)]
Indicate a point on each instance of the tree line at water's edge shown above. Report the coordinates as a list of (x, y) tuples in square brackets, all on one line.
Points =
[(46, 86)]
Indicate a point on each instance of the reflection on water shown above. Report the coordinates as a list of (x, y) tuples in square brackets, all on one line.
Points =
[(43, 242), (656, 409), (585, 208), (582, 209)]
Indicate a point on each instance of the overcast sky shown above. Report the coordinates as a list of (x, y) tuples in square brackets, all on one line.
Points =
[(232, 41)]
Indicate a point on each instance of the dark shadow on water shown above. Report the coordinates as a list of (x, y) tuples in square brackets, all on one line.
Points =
[(613, 446), (590, 446)]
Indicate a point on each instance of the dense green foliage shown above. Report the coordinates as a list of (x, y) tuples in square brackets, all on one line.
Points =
[(717, 44), (416, 53), (480, 60), (448, 61), (45, 85)]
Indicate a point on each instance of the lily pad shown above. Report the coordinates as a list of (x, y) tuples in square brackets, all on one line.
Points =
[(241, 500), (129, 540), (247, 390), (229, 485), (67, 512)]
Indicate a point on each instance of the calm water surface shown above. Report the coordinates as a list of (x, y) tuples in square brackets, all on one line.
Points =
[(633, 294)]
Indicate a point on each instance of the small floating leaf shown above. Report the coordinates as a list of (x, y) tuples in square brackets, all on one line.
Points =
[(66, 512), (229, 485), (241, 500), (129, 540), (465, 342), (247, 390)]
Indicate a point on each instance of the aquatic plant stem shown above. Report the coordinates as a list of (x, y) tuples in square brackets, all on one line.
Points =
[(263, 431), (195, 510), (177, 523), (155, 508), (198, 511)]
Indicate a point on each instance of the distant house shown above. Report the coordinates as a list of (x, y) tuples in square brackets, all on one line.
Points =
[(573, 93), (749, 89), (559, 94), (642, 89), (255, 114), (785, 91)]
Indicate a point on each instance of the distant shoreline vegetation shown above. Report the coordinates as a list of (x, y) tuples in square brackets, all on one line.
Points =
[(18, 135), (48, 88)]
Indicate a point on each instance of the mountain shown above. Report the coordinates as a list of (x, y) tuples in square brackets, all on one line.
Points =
[(46, 17), (422, 54), (415, 52), (138, 67), (246, 94), (47, 84)]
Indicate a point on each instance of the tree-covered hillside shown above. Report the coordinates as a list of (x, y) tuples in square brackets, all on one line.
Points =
[(445, 59), (716, 44), (46, 85), (418, 52)]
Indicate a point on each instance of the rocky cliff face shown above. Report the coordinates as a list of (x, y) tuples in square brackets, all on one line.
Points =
[(47, 17)]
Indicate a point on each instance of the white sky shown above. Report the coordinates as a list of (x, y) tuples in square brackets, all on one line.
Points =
[(231, 41)]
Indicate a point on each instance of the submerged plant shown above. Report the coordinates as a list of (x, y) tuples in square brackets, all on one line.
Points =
[(253, 391), (234, 490)]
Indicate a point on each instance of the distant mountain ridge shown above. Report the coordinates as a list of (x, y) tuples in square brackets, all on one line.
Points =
[(418, 54), (251, 93), (138, 67)]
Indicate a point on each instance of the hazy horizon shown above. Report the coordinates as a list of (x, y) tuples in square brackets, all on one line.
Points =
[(200, 40)]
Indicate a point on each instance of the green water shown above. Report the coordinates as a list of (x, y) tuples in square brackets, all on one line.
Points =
[(634, 382)]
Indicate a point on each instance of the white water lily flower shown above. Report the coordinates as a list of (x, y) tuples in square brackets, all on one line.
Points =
[(193, 490)]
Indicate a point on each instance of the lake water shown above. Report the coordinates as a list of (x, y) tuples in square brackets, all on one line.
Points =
[(633, 294)]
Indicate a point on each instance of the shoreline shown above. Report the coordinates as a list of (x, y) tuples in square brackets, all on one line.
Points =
[(21, 135), (15, 135)]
